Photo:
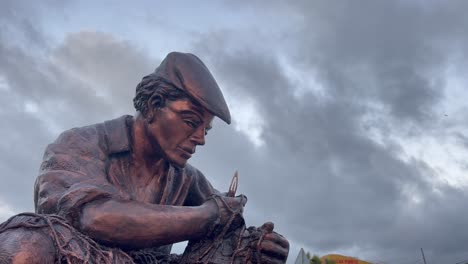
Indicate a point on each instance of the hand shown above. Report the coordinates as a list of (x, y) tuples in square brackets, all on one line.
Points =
[(230, 205), (273, 248), (225, 207)]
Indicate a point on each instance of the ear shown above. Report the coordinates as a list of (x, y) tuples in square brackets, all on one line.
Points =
[(154, 103)]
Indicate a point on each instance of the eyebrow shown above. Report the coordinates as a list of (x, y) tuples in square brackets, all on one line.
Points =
[(190, 111), (197, 109)]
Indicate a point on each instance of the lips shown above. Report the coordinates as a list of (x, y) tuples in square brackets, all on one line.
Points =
[(187, 152)]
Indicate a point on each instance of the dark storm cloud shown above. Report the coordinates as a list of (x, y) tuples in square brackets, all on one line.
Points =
[(88, 78), (316, 167), (113, 66), (22, 134), (18, 21), (405, 46), (319, 176), (335, 187)]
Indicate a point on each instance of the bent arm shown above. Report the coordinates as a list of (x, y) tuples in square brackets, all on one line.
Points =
[(73, 184), (132, 224)]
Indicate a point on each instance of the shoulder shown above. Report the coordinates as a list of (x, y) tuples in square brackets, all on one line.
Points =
[(74, 150), (79, 135), (107, 136)]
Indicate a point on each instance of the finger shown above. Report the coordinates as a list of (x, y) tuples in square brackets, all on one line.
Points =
[(273, 249), (277, 238), (235, 203), (268, 227), (271, 260)]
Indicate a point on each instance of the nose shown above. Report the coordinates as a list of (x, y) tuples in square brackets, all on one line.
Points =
[(198, 136)]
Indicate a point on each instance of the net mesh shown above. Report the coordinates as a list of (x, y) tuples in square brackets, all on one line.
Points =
[(71, 246)]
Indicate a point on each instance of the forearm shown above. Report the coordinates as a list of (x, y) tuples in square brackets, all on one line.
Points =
[(134, 225)]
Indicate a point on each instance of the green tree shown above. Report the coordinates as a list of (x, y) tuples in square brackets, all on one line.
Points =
[(315, 260), (329, 261)]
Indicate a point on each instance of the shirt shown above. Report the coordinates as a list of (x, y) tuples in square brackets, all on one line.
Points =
[(93, 162)]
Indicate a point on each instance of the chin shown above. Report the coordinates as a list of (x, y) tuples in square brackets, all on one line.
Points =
[(179, 163)]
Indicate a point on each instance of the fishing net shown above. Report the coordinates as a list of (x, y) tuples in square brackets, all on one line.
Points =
[(231, 243), (71, 246)]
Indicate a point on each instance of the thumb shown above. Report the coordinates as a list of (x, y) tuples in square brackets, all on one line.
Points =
[(268, 227)]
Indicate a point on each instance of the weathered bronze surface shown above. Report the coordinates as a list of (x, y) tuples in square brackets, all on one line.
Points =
[(122, 191)]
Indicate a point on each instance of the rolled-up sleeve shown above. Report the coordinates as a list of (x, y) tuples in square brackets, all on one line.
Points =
[(72, 174)]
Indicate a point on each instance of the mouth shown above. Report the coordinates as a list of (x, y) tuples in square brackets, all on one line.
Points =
[(186, 152)]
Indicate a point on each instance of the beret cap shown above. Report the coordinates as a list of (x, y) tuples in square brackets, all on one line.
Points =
[(188, 73)]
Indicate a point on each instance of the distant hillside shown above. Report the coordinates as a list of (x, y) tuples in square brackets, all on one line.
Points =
[(340, 259)]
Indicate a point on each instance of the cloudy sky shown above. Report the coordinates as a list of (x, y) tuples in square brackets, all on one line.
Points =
[(350, 124)]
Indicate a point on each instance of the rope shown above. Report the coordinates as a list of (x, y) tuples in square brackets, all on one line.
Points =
[(92, 252)]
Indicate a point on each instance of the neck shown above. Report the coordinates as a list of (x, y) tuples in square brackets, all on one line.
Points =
[(145, 156)]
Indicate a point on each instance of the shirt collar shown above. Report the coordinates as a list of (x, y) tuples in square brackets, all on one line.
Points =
[(118, 134)]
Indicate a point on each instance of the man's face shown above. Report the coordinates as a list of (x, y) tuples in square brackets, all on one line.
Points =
[(177, 128)]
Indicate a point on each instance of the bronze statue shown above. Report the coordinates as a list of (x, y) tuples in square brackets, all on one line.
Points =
[(122, 191)]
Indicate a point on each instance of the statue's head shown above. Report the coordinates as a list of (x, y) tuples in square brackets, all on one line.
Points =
[(178, 102)]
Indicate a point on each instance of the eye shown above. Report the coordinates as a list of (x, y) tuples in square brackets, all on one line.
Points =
[(190, 123)]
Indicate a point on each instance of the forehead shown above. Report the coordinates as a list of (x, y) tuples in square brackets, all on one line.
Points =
[(188, 106)]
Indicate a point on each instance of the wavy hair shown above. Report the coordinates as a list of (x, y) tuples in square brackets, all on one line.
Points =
[(156, 91)]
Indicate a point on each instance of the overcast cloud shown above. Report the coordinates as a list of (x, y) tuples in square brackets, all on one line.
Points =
[(349, 127)]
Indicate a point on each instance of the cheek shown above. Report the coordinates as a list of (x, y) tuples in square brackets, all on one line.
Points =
[(173, 134)]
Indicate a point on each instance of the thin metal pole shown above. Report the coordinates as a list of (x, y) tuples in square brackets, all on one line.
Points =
[(424, 258)]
